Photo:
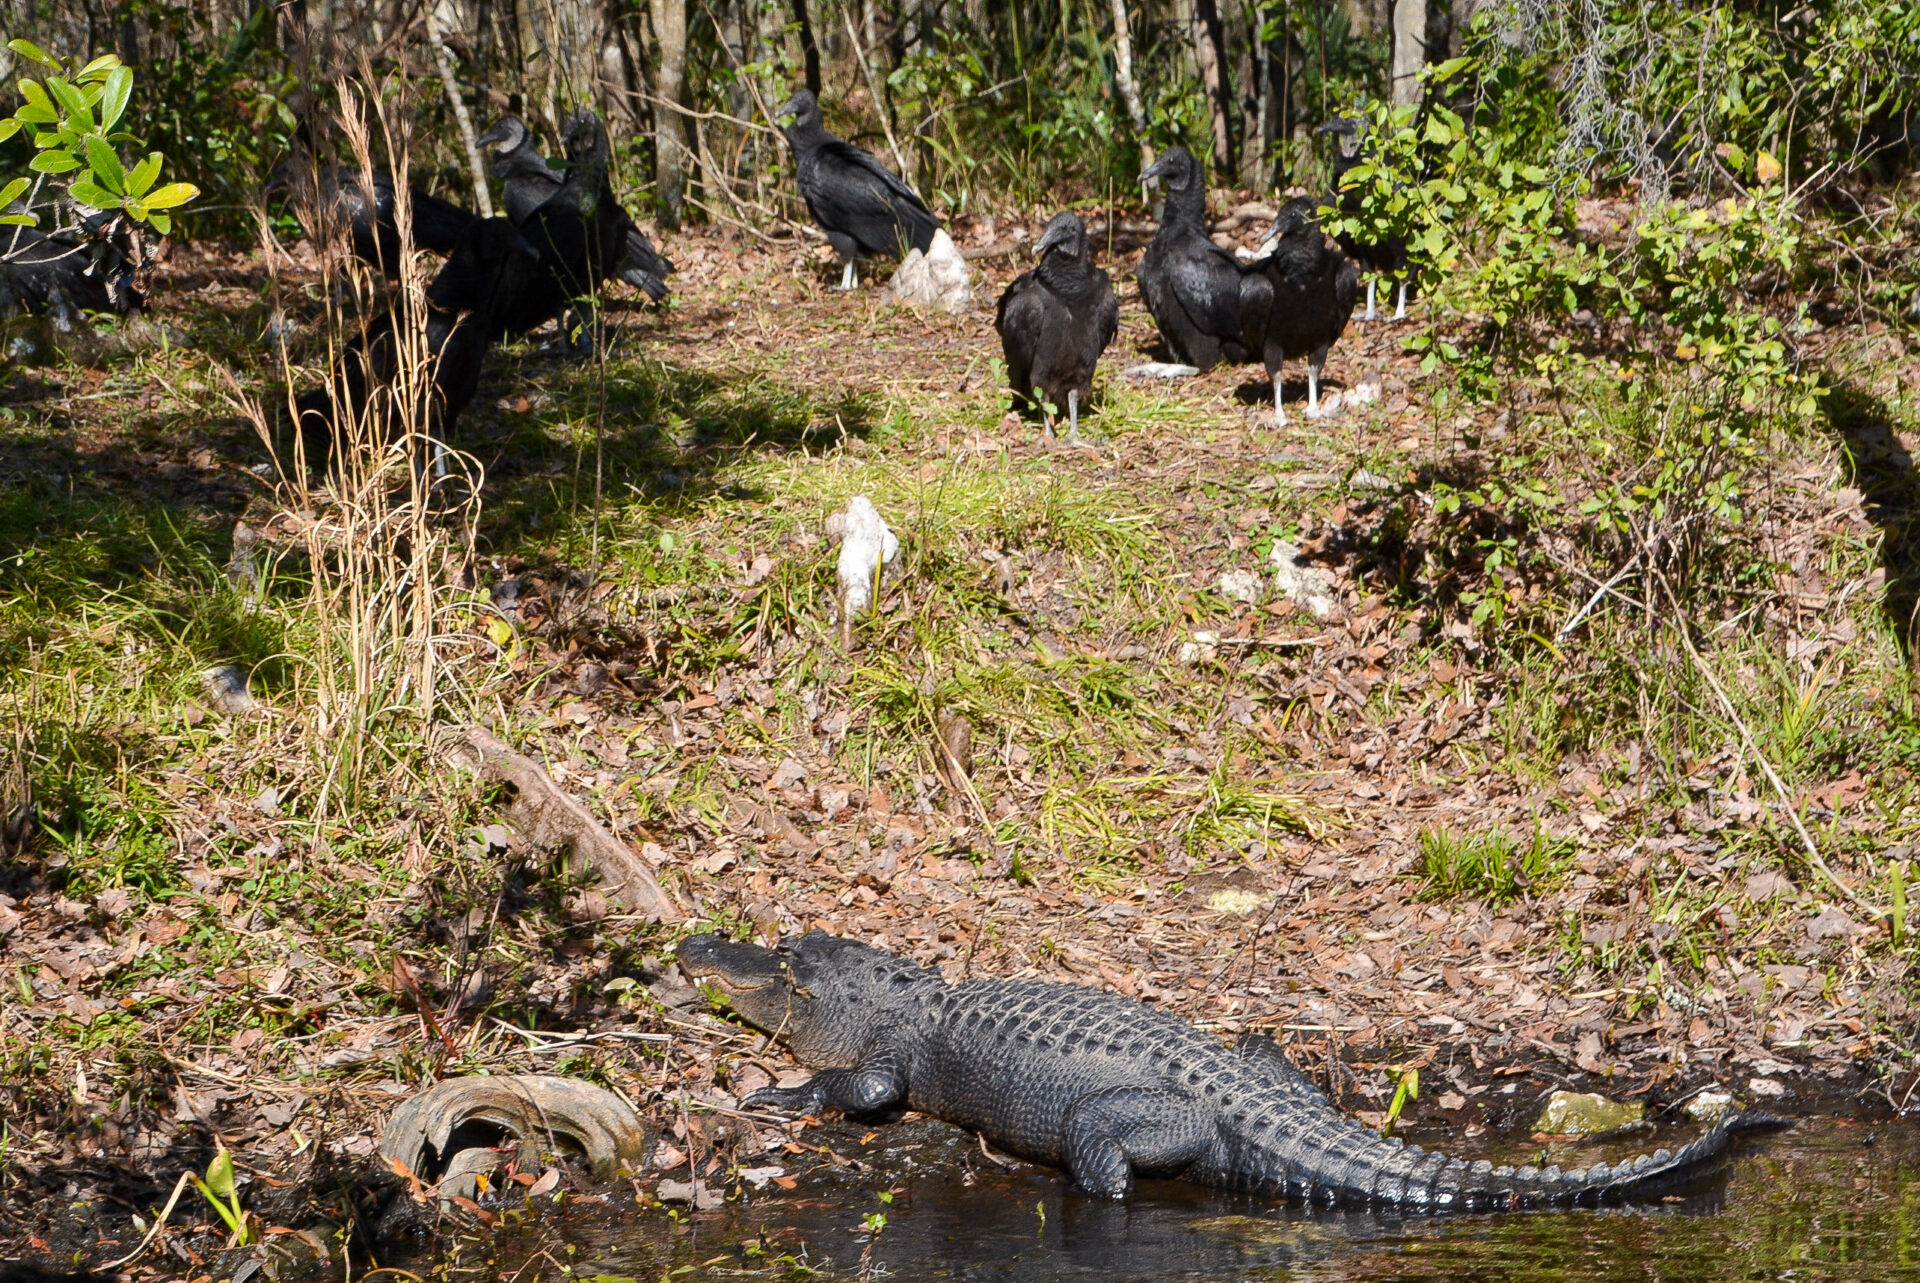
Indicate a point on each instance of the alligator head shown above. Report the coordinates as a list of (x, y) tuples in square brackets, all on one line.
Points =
[(823, 996)]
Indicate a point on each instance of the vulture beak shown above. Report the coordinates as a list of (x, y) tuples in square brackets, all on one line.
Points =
[(1155, 172), (1055, 238), (791, 107), (506, 132)]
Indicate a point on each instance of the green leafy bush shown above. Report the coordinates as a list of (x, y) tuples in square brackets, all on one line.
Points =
[(73, 118)]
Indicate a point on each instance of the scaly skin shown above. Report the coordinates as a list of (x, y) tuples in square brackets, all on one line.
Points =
[(1108, 1088)]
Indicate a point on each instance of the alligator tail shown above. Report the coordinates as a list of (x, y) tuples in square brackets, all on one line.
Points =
[(1414, 1178)]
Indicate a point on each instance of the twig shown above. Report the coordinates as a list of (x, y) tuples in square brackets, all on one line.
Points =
[(1594, 600), (1773, 777), (543, 1042), (158, 1224), (691, 114), (879, 103)]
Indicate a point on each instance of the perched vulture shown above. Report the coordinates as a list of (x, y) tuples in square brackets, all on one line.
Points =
[(1056, 320), (459, 300), (1299, 299), (331, 198), (92, 268), (864, 208), (527, 181), (570, 232), (1388, 257), (1191, 285)]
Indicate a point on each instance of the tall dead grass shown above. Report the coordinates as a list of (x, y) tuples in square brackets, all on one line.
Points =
[(382, 531)]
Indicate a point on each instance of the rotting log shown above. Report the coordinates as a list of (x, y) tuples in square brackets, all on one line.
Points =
[(551, 820)]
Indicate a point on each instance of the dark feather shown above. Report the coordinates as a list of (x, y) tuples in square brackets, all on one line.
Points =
[(864, 207), (1057, 319), (1192, 286), (333, 198)]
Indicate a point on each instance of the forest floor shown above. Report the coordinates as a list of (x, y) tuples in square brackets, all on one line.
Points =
[(1511, 854)]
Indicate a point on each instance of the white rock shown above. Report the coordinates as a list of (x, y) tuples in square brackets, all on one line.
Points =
[(1241, 585), (1766, 1087), (227, 690), (1204, 646), (1709, 1107), (937, 278), (1365, 392), (1162, 370), (867, 545), (1304, 585)]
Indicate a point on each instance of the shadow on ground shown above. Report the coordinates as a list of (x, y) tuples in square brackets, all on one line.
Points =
[(1889, 486)]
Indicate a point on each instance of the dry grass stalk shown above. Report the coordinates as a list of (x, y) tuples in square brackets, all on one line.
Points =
[(382, 543)]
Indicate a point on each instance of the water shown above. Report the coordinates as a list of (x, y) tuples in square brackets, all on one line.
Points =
[(1816, 1203)]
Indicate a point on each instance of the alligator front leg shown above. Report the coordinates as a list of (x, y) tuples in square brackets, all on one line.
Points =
[(867, 1088), (1112, 1134)]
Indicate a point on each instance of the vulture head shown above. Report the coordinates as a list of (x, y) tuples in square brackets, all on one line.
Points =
[(1066, 236), (509, 134)]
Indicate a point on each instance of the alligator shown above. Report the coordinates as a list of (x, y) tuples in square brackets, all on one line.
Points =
[(1110, 1089)]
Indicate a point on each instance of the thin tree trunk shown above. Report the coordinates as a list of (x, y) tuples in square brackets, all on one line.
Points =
[(1210, 52), (670, 149), (809, 48), (1123, 76), (443, 60), (1409, 49)]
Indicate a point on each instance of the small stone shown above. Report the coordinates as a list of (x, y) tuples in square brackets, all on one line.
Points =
[(227, 690), (1162, 370), (1709, 1107), (1302, 584), (1832, 923), (1242, 585), (1571, 1113), (1767, 1088)]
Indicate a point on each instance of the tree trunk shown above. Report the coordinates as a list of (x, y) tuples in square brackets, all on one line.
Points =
[(1123, 76), (670, 148), (1210, 53), (810, 48), (1409, 49)]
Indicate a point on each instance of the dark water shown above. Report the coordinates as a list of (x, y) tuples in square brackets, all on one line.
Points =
[(1816, 1203)]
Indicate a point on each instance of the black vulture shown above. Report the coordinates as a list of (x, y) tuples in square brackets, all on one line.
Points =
[(864, 208), (1056, 320), (459, 300), (1385, 258), (1299, 299), (528, 180), (330, 198), (1191, 285), (91, 268), (570, 231)]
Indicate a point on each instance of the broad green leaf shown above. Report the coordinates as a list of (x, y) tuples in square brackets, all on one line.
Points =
[(106, 62), (28, 49), (18, 220), (92, 194), (11, 192), (161, 223), (106, 165), (141, 176), (170, 195), (33, 93), (72, 101), (136, 208), (113, 99), (9, 127), (34, 113), (220, 1173), (53, 162)]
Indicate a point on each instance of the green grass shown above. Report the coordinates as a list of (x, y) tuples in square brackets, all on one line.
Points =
[(1491, 866)]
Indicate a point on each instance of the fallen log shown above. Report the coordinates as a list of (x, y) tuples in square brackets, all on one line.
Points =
[(551, 820)]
